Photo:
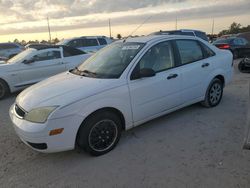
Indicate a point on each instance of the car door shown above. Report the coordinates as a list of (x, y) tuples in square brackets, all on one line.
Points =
[(154, 95), (43, 64), (195, 68)]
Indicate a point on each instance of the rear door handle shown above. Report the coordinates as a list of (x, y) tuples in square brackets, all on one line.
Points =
[(205, 65), (171, 76)]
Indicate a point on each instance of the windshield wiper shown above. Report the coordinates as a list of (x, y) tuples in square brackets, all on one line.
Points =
[(88, 73)]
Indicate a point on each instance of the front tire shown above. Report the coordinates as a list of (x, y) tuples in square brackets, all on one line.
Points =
[(4, 89), (214, 93), (99, 133)]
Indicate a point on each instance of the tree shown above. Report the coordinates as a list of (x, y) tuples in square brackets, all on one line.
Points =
[(234, 29), (55, 40), (16, 41), (119, 36), (23, 42)]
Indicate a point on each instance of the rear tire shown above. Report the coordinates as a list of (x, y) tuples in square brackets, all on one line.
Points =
[(4, 89), (214, 93), (99, 133)]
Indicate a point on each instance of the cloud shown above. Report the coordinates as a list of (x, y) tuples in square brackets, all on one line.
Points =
[(30, 16)]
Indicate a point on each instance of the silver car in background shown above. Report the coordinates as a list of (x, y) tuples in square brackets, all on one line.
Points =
[(89, 44), (9, 50)]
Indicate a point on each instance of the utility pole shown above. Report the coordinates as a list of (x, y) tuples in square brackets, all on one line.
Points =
[(213, 27), (109, 29), (176, 22), (49, 29)]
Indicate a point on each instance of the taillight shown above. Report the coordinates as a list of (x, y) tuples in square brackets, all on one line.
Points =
[(224, 46)]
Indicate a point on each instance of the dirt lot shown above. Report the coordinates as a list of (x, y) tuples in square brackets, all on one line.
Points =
[(193, 147)]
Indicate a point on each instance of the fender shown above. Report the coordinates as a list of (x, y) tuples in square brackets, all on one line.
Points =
[(213, 74), (109, 103)]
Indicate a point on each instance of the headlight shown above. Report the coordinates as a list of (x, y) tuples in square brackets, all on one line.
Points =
[(39, 115)]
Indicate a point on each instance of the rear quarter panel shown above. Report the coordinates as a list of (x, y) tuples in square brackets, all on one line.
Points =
[(223, 65)]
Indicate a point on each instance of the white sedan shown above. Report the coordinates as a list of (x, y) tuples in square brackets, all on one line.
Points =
[(34, 65), (123, 85)]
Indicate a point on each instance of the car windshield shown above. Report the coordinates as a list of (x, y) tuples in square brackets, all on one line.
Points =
[(21, 56), (110, 62)]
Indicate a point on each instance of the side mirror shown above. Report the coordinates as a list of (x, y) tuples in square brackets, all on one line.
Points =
[(29, 61), (147, 72)]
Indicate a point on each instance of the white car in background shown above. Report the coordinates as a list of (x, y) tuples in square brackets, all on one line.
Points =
[(89, 44), (121, 86), (34, 65)]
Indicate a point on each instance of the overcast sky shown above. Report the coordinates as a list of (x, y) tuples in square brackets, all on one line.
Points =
[(68, 18)]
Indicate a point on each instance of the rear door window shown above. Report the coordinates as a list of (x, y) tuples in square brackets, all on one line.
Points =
[(102, 41), (90, 42), (77, 43), (49, 55), (189, 50), (207, 51)]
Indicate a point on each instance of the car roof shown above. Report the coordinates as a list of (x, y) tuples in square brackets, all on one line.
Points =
[(44, 47), (83, 37), (179, 30), (146, 39), (10, 43)]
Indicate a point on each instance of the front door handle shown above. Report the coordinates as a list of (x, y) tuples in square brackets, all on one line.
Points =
[(171, 76), (205, 65)]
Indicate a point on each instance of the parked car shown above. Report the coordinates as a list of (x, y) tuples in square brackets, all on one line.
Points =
[(121, 86), (34, 65), (9, 50), (188, 32), (88, 44), (231, 43), (245, 35)]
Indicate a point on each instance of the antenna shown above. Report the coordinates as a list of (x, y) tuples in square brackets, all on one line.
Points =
[(148, 18), (176, 22), (49, 29), (109, 29)]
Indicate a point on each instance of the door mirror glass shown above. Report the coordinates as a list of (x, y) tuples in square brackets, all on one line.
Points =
[(147, 72)]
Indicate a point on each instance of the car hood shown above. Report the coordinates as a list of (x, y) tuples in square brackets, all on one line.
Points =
[(6, 67), (63, 89)]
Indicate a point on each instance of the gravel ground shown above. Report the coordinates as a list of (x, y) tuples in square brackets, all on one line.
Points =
[(193, 147)]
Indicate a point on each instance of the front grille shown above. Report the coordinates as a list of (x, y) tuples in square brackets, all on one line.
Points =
[(19, 111)]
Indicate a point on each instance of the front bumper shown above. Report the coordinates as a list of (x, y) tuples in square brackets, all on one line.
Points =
[(36, 135)]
